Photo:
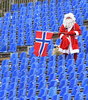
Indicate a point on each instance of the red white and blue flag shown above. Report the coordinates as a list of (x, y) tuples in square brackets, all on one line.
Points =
[(42, 40)]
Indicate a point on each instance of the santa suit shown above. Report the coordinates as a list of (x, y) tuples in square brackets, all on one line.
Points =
[(71, 34)]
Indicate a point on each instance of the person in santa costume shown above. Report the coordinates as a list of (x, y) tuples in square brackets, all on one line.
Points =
[(69, 33)]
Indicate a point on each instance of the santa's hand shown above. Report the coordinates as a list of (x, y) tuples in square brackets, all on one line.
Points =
[(71, 33)]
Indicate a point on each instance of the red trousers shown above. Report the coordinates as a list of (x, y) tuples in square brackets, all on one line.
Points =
[(75, 56)]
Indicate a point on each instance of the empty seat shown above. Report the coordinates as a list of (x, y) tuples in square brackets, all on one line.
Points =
[(52, 83), (62, 76), (31, 85), (14, 55), (85, 90), (63, 91), (31, 93), (22, 55), (73, 82), (55, 97), (42, 92), (75, 90), (84, 82), (78, 96), (63, 83), (67, 96), (72, 76)]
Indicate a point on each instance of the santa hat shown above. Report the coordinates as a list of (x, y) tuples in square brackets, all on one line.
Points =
[(71, 16)]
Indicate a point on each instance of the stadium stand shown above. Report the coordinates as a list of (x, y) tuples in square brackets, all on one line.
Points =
[(23, 76)]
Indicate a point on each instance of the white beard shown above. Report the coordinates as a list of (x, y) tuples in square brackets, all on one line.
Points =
[(68, 23)]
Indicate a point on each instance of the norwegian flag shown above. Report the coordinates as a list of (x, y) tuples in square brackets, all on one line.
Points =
[(42, 40)]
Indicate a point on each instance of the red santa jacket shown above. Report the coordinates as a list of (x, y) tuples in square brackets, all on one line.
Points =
[(72, 35)]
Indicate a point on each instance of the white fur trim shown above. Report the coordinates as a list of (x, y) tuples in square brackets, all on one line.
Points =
[(64, 51), (67, 51), (61, 36), (75, 51), (70, 28), (76, 33)]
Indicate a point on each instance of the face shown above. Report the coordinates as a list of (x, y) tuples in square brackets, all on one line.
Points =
[(68, 22), (68, 18)]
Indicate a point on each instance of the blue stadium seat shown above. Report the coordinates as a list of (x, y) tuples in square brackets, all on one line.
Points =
[(79, 61), (41, 78), (4, 87), (23, 55), (34, 59), (2, 94), (14, 7), (21, 5), (84, 82), (61, 63), (70, 62), (45, 97), (3, 45), (84, 34), (15, 73), (81, 68), (80, 21), (15, 61), (42, 92), (54, 28), (63, 83), (22, 92), (63, 91), (60, 69), (14, 79), (67, 96), (41, 85), (52, 91), (51, 64), (40, 71), (32, 72), (82, 75), (85, 90), (30, 40), (14, 67), (14, 55), (23, 73), (31, 85), (86, 97), (55, 97), (75, 90), (52, 76), (12, 94), (13, 47), (58, 41), (5, 80), (60, 22), (12, 86), (34, 65), (72, 76), (32, 78), (61, 57), (62, 76), (50, 70), (33, 98), (52, 83), (31, 93), (73, 82), (70, 69), (78, 96)]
